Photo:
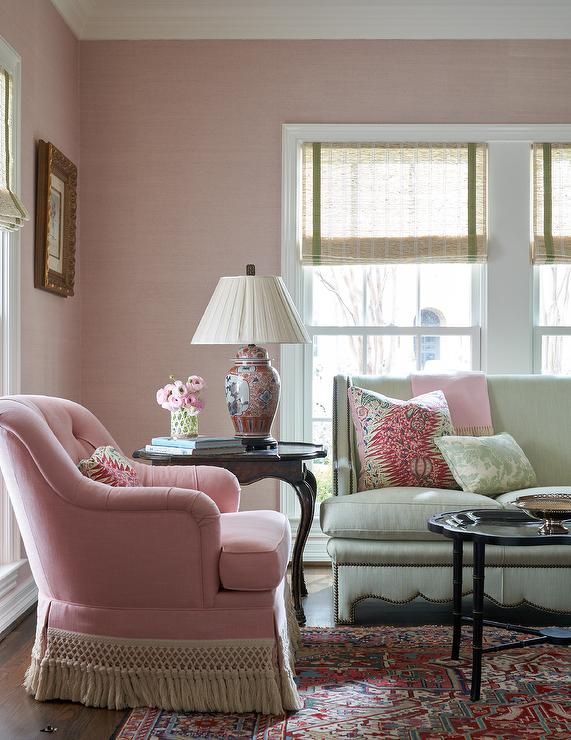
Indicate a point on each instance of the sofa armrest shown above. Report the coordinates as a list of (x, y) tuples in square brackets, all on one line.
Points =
[(344, 464)]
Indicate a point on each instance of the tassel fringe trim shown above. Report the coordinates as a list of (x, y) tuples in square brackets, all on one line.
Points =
[(203, 676), (293, 630), (485, 431)]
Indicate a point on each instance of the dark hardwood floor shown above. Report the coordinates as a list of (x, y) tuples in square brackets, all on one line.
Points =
[(22, 718)]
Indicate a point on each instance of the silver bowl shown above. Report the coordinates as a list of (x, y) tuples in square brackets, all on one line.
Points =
[(552, 508)]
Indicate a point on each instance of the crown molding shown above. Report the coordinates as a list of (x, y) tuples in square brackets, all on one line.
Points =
[(317, 19), (76, 13)]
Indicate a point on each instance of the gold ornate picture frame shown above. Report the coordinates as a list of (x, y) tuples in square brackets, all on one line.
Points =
[(56, 206)]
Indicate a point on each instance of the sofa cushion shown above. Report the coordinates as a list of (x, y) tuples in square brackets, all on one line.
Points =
[(395, 439), (255, 550), (487, 465), (395, 513)]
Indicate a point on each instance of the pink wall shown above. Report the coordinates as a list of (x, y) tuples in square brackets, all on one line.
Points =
[(50, 111), (181, 177)]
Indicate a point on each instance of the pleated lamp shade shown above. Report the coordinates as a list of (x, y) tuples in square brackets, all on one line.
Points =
[(248, 310)]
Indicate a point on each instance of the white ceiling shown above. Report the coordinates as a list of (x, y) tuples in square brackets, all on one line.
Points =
[(317, 19)]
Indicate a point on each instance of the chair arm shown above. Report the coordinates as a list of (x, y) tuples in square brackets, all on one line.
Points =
[(221, 485), (135, 547)]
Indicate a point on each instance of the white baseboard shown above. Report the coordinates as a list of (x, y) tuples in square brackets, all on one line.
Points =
[(16, 602)]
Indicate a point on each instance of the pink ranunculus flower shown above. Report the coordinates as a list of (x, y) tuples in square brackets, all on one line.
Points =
[(198, 405), (179, 389), (161, 396), (175, 402), (196, 383), (188, 401)]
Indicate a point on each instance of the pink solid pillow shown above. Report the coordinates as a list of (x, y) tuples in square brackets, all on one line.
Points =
[(395, 440), (106, 465)]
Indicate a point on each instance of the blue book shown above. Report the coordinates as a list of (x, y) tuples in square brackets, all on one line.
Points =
[(189, 451), (197, 443)]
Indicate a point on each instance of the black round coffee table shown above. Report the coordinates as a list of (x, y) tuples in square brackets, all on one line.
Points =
[(491, 527)]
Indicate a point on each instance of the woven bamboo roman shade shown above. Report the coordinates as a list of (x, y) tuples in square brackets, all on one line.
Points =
[(393, 202), (12, 212), (551, 203)]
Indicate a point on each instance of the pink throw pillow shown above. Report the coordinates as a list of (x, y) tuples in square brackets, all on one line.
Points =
[(396, 440), (106, 465)]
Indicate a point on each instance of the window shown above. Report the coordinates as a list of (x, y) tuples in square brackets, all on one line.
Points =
[(386, 320), (389, 230), (16, 594), (553, 328)]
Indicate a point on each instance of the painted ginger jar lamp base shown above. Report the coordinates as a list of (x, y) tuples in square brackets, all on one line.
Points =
[(252, 394)]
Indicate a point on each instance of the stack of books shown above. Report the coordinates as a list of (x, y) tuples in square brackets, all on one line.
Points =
[(201, 445)]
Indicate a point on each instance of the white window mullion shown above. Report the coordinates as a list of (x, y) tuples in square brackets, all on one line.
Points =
[(509, 333), (295, 405)]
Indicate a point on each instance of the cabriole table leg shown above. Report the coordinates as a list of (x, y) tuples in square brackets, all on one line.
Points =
[(306, 491)]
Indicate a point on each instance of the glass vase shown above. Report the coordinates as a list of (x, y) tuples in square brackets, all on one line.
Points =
[(184, 424)]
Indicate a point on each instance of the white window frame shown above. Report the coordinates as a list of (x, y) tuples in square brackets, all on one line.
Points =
[(507, 287), (16, 595)]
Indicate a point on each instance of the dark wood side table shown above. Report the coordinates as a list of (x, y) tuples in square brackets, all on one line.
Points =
[(493, 527), (286, 462)]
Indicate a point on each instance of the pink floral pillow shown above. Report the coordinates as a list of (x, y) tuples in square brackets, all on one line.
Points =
[(396, 439), (106, 465)]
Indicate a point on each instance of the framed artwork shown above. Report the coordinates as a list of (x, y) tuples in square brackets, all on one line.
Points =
[(56, 206)]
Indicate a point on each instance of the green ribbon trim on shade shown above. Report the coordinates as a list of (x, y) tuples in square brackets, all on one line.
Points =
[(547, 204), (472, 197), (316, 246)]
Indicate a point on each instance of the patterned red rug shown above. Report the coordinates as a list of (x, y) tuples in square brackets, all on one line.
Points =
[(392, 682)]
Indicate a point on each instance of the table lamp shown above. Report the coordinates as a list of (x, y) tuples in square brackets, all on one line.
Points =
[(250, 309)]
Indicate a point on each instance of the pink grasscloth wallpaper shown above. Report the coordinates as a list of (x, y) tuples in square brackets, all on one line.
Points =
[(179, 152), (181, 178), (51, 331)]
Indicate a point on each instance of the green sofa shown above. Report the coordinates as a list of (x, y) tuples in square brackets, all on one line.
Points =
[(379, 543)]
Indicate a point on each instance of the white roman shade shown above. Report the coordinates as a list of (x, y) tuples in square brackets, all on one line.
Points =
[(12, 212), (393, 202), (551, 203)]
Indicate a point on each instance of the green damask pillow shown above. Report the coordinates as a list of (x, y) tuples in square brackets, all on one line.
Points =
[(487, 465)]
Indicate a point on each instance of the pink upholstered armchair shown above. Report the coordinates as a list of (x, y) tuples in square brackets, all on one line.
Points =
[(159, 595)]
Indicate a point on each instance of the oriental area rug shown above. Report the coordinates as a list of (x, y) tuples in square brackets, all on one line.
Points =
[(392, 682)]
